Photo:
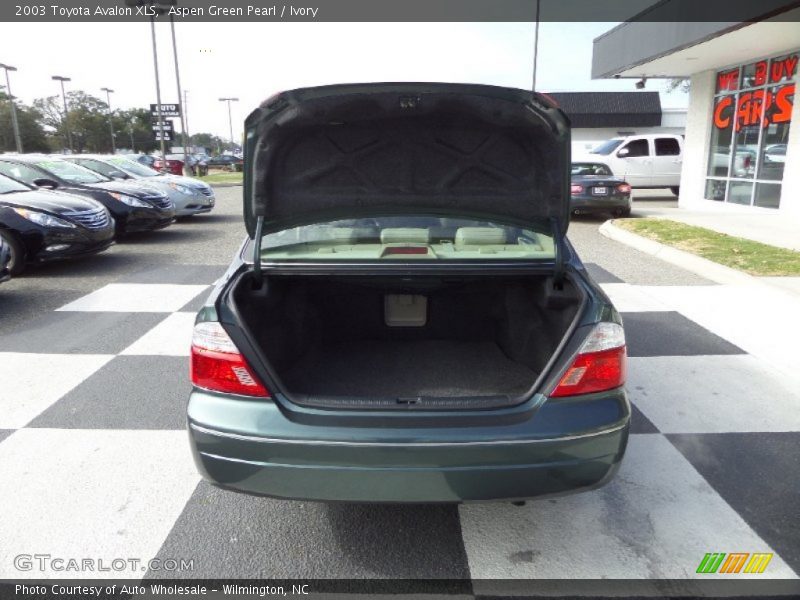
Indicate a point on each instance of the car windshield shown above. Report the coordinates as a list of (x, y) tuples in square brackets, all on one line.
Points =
[(132, 167), (8, 186), (579, 169), (71, 172), (408, 237), (606, 147)]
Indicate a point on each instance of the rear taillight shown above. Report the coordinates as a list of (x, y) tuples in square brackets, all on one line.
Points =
[(218, 365), (576, 189), (624, 188), (599, 365)]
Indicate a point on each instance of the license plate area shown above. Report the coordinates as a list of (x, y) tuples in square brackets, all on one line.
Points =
[(600, 191)]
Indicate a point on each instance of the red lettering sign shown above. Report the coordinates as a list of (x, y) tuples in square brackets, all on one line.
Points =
[(761, 73), (729, 80), (722, 117), (762, 107), (783, 68), (784, 99)]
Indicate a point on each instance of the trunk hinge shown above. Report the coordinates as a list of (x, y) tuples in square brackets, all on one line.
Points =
[(558, 245), (258, 276)]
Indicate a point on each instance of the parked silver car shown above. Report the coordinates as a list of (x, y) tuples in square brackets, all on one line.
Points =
[(190, 195)]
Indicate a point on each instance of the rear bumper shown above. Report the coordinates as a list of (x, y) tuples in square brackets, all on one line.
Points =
[(541, 455), (600, 203)]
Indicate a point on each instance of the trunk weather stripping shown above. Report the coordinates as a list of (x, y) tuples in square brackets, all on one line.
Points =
[(258, 276), (558, 246)]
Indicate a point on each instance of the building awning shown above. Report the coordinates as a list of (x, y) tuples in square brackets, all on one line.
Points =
[(610, 109), (652, 45)]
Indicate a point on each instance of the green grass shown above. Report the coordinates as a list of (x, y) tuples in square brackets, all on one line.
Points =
[(223, 178), (751, 257)]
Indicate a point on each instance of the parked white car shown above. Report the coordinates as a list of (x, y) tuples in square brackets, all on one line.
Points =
[(644, 161)]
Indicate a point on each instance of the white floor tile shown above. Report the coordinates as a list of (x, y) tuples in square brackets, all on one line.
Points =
[(95, 494), (756, 318), (171, 337), (136, 297), (713, 394), (631, 298), (30, 383), (656, 519)]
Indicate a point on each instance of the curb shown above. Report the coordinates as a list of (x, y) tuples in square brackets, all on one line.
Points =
[(224, 185), (700, 266)]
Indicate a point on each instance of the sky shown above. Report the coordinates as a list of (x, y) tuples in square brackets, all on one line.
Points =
[(252, 61)]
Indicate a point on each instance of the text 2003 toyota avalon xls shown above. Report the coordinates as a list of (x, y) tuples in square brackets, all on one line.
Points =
[(413, 326)]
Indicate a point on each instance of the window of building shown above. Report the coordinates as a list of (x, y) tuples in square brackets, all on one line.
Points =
[(750, 129)]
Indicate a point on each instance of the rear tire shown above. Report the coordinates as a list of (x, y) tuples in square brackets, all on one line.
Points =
[(675, 190), (16, 264), (622, 212)]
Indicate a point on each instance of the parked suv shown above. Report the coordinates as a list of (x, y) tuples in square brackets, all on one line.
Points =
[(406, 321), (644, 161)]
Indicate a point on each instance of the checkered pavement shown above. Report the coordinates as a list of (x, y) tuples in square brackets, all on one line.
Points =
[(92, 442)]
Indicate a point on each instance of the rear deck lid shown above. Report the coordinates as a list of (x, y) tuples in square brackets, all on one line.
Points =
[(365, 150)]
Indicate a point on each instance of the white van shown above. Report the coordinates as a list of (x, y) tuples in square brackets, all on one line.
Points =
[(644, 161)]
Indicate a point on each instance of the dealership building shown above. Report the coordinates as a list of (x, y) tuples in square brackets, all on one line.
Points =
[(741, 149)]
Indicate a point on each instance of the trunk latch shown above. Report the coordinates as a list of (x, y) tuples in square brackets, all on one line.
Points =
[(409, 401)]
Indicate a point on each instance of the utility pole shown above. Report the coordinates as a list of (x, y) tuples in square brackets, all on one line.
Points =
[(14, 122), (66, 110), (187, 170), (108, 92), (133, 144), (185, 113), (230, 120)]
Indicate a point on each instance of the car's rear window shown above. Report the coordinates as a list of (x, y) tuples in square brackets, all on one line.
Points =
[(584, 168), (408, 237)]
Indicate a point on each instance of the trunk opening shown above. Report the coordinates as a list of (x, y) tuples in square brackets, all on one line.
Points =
[(470, 340)]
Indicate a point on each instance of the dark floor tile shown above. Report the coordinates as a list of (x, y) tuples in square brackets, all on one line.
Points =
[(237, 535), (671, 334), (758, 474), (600, 275), (177, 274), (130, 392), (80, 332), (640, 423)]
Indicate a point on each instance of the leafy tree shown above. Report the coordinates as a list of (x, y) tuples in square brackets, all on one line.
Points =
[(31, 131)]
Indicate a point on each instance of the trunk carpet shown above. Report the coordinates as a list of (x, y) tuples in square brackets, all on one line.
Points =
[(409, 369)]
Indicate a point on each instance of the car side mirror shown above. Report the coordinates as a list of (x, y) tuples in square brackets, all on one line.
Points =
[(119, 175), (45, 183), (623, 152)]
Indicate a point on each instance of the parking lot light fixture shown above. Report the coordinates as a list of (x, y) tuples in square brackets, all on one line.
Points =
[(108, 92), (66, 110), (230, 120), (14, 122)]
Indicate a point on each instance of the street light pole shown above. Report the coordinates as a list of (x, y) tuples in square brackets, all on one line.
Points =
[(14, 121), (158, 92), (230, 120), (66, 110), (108, 92), (185, 112), (187, 171)]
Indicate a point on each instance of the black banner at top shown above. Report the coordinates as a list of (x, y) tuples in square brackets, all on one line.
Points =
[(728, 11)]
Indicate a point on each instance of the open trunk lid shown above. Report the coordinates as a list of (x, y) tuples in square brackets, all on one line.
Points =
[(366, 150)]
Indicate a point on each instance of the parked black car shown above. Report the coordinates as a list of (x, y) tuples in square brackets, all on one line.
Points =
[(135, 207), (226, 160), (40, 225), (595, 189), (5, 258)]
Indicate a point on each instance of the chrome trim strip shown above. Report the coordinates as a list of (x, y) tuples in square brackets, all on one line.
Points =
[(265, 440)]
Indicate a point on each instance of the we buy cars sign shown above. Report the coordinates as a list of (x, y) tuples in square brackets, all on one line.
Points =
[(167, 110)]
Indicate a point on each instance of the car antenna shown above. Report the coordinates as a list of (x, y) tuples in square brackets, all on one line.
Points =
[(535, 46)]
